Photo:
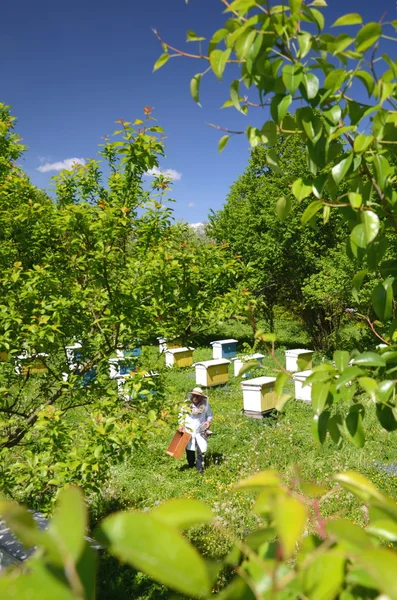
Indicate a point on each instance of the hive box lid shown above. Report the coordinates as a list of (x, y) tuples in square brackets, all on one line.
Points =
[(257, 381), (224, 342), (302, 374), (248, 357), (177, 350), (213, 362), (297, 351)]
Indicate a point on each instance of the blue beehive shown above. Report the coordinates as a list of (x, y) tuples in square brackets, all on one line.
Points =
[(224, 348)]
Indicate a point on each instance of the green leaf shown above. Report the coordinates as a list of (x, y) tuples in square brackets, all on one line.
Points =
[(301, 190), (371, 223), (386, 418), (272, 161), (333, 115), (193, 37), (311, 85), (341, 359), (319, 396), (160, 551), (324, 575), (367, 79), (347, 376), (334, 427), (222, 142), (381, 565), (244, 43), (68, 525), (362, 143), (350, 534), (292, 76), (369, 385), (283, 207), (320, 427), (305, 43), (349, 19), (382, 299), (264, 479), (234, 94), (362, 487), (367, 36), (334, 80), (195, 87), (269, 133), (279, 107), (357, 239), (161, 61), (355, 199), (369, 359), (384, 528), (281, 380), (354, 428), (295, 6), (340, 170), (290, 516), (218, 60), (183, 512), (311, 210)]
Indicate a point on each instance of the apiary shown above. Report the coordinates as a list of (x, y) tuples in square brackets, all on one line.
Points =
[(212, 372), (179, 357), (121, 367), (302, 392), (224, 348), (239, 362), (298, 354), (259, 396)]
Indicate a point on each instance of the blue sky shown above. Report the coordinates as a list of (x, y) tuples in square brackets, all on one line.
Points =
[(71, 69)]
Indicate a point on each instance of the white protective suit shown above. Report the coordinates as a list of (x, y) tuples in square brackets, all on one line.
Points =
[(192, 418)]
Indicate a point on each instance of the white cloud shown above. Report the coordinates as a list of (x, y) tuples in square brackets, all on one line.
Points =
[(61, 164), (196, 225), (171, 173), (191, 204)]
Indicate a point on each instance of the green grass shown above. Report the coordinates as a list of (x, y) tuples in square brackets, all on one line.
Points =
[(239, 447)]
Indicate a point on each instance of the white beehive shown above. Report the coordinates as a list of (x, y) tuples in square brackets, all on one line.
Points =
[(259, 396), (73, 353), (302, 392), (224, 348), (212, 372), (292, 357), (162, 344), (180, 357), (239, 362), (26, 364)]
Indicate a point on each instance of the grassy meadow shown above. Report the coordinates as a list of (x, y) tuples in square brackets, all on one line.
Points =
[(239, 447)]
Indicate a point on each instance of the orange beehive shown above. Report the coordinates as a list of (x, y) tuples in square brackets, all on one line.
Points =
[(178, 444)]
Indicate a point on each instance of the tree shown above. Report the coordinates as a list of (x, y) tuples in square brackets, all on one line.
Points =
[(102, 265), (285, 258)]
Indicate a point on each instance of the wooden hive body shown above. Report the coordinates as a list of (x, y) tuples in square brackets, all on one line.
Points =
[(293, 356), (224, 348), (210, 373), (259, 396), (178, 444), (180, 357), (302, 392)]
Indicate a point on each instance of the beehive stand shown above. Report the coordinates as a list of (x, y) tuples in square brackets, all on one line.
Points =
[(178, 444), (293, 356), (224, 348), (210, 373), (259, 397), (302, 393)]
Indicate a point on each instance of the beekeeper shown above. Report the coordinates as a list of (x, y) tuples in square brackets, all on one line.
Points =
[(195, 417)]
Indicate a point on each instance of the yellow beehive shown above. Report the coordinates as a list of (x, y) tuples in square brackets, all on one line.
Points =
[(34, 364), (259, 396), (212, 372), (179, 357)]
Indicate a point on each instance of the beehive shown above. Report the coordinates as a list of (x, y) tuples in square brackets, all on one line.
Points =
[(298, 354), (162, 344), (212, 372), (74, 355), (27, 365), (259, 396), (302, 392), (127, 352), (178, 444), (224, 348), (179, 357), (239, 362), (165, 344), (3, 356), (120, 367)]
